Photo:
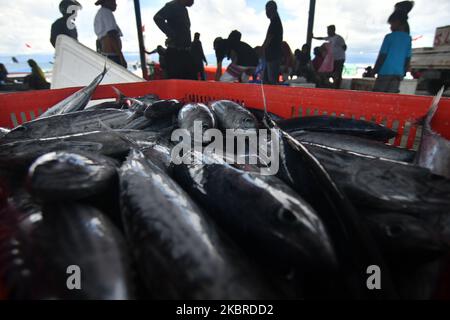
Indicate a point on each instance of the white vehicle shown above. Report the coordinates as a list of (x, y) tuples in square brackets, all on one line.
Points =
[(432, 65)]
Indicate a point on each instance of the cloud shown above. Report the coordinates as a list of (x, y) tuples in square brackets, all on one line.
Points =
[(361, 23)]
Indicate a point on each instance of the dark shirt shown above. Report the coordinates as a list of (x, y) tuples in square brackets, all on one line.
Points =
[(178, 25), (303, 59), (245, 55), (197, 53), (273, 50), (60, 27)]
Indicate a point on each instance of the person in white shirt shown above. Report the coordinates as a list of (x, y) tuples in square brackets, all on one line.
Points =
[(108, 32), (339, 47)]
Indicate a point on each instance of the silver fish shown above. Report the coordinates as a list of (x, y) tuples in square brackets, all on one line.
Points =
[(384, 184), (39, 244), (179, 253), (434, 152), (23, 153), (196, 112), (230, 115), (59, 176), (354, 144), (67, 124), (263, 214), (76, 101), (403, 237)]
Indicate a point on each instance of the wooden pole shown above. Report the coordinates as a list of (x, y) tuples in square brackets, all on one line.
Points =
[(312, 13), (137, 9)]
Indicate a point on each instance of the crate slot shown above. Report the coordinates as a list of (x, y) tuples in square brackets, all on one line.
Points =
[(23, 117), (14, 120)]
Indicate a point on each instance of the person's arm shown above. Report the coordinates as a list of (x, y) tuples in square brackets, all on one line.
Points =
[(319, 38), (380, 61), (160, 19)]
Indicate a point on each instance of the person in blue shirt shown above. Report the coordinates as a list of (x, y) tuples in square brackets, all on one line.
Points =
[(395, 54)]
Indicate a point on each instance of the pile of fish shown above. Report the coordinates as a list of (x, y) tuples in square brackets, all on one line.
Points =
[(95, 189)]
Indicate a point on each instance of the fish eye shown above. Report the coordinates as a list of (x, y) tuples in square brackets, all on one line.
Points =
[(287, 215), (394, 231)]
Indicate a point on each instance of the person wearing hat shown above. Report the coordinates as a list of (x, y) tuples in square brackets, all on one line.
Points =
[(108, 32), (338, 47), (65, 25), (395, 53)]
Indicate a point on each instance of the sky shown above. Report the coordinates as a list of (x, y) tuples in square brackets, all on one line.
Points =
[(362, 23)]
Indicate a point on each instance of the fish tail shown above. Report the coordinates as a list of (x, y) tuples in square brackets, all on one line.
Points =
[(120, 95), (434, 107)]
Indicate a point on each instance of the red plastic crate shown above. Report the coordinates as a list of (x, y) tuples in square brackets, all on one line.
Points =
[(398, 112)]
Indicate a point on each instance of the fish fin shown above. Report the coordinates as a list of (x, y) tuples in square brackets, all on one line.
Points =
[(433, 109), (426, 122), (120, 95)]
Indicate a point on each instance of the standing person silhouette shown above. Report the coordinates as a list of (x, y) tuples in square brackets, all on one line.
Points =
[(272, 44), (108, 32), (173, 20), (199, 56)]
